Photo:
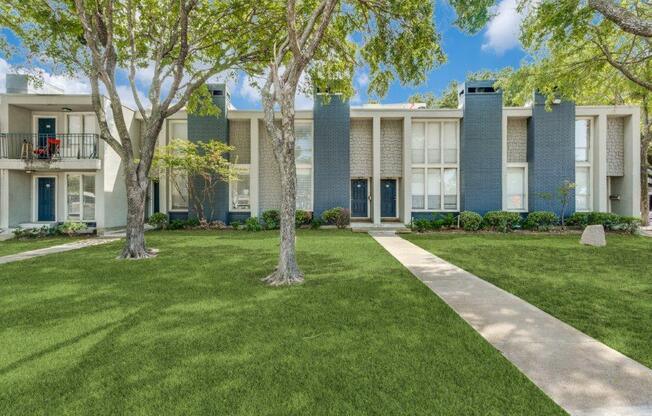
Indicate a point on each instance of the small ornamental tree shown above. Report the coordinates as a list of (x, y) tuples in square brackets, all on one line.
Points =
[(198, 166)]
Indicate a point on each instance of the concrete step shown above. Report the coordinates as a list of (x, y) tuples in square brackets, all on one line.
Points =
[(365, 227)]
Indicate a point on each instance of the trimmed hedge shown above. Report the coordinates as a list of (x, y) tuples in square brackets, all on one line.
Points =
[(541, 220), (470, 221), (271, 219), (608, 220), (503, 221), (339, 216)]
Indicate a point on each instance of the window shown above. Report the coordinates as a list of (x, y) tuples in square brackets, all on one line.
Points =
[(304, 160), (516, 188), (78, 142), (434, 160), (418, 143), (80, 190), (178, 180), (582, 189), (418, 186), (304, 188), (240, 193), (582, 140)]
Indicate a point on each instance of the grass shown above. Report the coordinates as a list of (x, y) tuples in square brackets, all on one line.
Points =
[(194, 331), (604, 292), (15, 246)]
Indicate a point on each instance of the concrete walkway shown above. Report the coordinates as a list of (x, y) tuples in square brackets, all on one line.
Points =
[(25, 255), (582, 375)]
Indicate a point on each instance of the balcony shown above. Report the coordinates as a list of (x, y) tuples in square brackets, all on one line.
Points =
[(49, 151)]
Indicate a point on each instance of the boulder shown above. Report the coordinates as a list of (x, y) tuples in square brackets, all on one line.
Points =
[(593, 235)]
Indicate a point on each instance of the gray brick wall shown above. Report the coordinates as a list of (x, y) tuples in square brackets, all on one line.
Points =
[(269, 179), (516, 140), (615, 146), (391, 148), (361, 154), (240, 138), (206, 128), (551, 153), (481, 150), (331, 135)]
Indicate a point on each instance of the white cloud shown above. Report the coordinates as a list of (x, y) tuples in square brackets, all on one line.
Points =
[(248, 88), (503, 28), (362, 79)]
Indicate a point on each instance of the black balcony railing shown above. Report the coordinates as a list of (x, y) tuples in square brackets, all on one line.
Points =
[(29, 146)]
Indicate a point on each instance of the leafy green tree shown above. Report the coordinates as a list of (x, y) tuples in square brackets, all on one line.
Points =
[(197, 166), (326, 40), (590, 60), (182, 43)]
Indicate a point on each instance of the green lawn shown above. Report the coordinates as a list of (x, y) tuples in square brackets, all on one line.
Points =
[(195, 332), (14, 246), (604, 292)]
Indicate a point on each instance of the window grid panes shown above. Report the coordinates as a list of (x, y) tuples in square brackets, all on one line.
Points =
[(434, 166), (178, 180)]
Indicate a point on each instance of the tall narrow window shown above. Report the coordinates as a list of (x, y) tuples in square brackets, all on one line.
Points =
[(418, 143), (434, 187), (450, 142), (73, 191), (516, 188), (434, 143), (304, 160), (418, 186), (582, 189), (178, 180), (582, 140), (304, 189), (450, 189), (240, 191)]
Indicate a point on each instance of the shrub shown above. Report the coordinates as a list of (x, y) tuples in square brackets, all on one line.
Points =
[(316, 223), (449, 220), (44, 231), (627, 224), (470, 221), (177, 224), (272, 219), (339, 216), (540, 220), (302, 217), (579, 219), (211, 225), (192, 223), (502, 221), (158, 220), (420, 225), (71, 228), (235, 224), (252, 224)]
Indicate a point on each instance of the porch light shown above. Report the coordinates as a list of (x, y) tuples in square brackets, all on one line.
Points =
[(66, 109)]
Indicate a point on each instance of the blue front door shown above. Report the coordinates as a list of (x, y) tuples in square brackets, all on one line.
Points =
[(47, 129), (359, 198), (388, 198), (46, 199)]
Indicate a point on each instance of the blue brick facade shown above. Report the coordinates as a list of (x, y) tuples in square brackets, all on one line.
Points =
[(550, 154), (205, 128), (331, 153), (481, 148)]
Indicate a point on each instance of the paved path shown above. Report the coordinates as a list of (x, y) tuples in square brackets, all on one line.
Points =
[(582, 375), (55, 249)]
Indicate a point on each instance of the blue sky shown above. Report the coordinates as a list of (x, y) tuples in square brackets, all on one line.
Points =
[(496, 46)]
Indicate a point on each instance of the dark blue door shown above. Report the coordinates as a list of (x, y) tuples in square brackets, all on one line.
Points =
[(46, 199), (359, 198), (388, 198), (47, 129)]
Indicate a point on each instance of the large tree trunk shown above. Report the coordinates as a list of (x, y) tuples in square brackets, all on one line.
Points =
[(135, 236)]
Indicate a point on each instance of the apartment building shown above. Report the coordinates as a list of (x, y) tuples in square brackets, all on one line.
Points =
[(387, 163)]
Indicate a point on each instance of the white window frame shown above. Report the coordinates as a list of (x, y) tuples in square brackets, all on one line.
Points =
[(243, 167), (35, 198), (586, 164), (81, 196), (441, 165), (524, 166), (312, 159), (169, 175)]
